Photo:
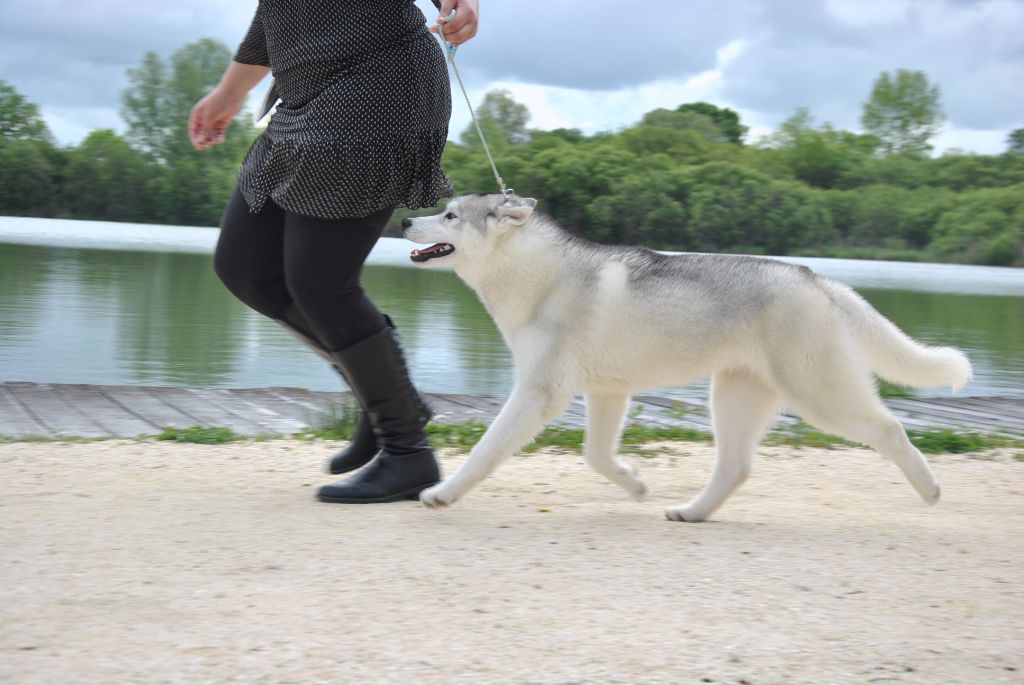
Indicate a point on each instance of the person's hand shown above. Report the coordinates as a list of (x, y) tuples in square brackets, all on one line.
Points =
[(462, 26), (210, 118)]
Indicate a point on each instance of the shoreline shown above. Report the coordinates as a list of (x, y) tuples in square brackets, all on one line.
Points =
[(838, 262), (62, 411), (131, 235)]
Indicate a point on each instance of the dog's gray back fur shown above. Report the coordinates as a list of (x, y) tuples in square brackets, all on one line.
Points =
[(736, 280), (733, 283)]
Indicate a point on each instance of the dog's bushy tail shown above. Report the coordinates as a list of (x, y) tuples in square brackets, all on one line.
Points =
[(893, 354)]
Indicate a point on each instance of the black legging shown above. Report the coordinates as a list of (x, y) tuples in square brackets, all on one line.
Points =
[(301, 269)]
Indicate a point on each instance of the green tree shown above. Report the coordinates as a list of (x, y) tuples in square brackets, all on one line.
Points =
[(502, 119), (645, 208), (968, 171), (727, 121), (731, 207), (19, 118), (818, 156), (30, 173), (146, 107), (984, 226), (906, 171), (686, 146), (701, 124), (570, 177), (31, 167), (108, 180), (191, 186), (924, 207), (903, 111), (1015, 142), (878, 216)]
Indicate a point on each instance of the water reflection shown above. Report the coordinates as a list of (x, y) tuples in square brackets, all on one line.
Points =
[(452, 343), (96, 316), (103, 316), (989, 328)]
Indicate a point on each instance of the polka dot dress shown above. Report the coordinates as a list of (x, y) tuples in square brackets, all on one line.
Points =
[(364, 109)]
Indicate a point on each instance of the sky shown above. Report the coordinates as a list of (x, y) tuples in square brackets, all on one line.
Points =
[(595, 65)]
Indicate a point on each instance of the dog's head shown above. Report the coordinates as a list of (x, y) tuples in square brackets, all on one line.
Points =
[(470, 226)]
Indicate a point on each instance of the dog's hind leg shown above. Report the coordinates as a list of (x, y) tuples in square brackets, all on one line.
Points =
[(859, 415), (522, 417), (741, 408), (605, 416)]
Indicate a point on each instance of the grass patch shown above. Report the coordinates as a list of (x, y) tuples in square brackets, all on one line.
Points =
[(894, 391), (460, 435), (938, 441), (801, 434), (562, 438), (948, 441), (466, 435), (932, 441), (634, 436), (679, 410), (8, 439), (339, 422), (200, 435), (638, 434)]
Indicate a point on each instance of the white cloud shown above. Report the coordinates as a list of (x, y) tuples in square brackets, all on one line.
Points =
[(602, 110), (868, 12), (968, 140), (70, 125), (590, 64)]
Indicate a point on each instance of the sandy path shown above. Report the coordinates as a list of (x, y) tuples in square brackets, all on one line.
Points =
[(129, 562)]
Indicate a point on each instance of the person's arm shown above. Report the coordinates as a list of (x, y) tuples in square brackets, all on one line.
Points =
[(253, 48), (239, 78), (211, 115)]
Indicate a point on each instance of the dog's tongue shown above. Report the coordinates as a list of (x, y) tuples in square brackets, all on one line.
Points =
[(426, 254), (430, 250)]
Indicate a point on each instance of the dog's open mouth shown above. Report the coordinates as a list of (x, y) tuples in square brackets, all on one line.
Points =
[(432, 252)]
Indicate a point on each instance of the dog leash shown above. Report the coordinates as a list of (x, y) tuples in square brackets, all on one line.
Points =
[(450, 52)]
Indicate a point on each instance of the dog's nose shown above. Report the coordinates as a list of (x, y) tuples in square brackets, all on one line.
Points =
[(406, 222)]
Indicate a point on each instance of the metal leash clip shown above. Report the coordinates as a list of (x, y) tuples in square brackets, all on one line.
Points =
[(451, 47)]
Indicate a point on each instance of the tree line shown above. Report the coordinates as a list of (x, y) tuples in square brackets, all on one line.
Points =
[(679, 179)]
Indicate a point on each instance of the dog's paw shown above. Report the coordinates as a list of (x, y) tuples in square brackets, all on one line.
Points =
[(438, 496), (632, 483), (685, 514), (932, 495)]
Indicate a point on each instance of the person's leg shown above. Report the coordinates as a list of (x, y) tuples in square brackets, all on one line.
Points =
[(250, 261), (323, 262), (249, 258)]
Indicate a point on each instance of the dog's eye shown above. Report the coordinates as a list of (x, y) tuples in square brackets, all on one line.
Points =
[(449, 216)]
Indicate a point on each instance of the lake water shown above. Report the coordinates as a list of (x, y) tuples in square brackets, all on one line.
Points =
[(111, 303)]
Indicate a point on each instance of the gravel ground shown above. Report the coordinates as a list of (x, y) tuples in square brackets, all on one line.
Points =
[(150, 562)]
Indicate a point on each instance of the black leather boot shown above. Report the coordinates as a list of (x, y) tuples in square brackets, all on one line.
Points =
[(405, 466), (360, 450), (362, 446)]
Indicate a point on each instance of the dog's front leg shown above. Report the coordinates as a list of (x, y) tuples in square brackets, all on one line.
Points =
[(522, 417)]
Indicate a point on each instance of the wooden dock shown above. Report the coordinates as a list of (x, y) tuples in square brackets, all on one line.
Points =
[(128, 411)]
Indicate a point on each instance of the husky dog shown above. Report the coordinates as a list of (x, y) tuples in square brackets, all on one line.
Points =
[(608, 321)]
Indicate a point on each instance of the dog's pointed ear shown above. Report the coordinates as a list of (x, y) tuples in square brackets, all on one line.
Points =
[(516, 210)]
